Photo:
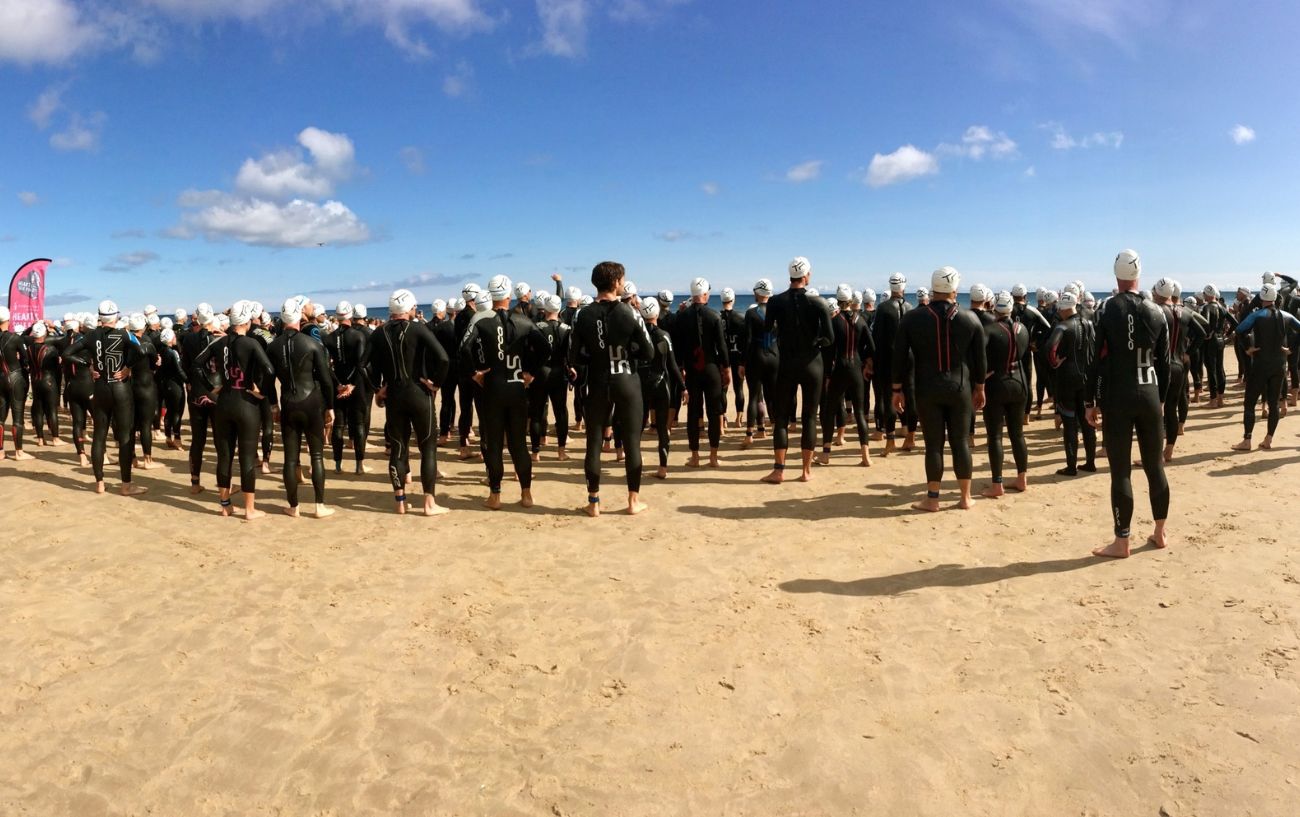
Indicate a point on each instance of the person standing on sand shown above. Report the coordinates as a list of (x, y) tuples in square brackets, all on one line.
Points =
[(1127, 380), (947, 346), (802, 324), (307, 393), (884, 328), (1006, 350), (1266, 331)]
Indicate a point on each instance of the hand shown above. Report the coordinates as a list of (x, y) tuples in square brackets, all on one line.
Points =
[(868, 369), (94, 375), (120, 375), (742, 373), (382, 394), (1093, 415), (478, 377), (346, 391), (556, 277), (726, 379), (573, 375), (329, 417), (528, 380), (978, 397), (900, 404), (1251, 351)]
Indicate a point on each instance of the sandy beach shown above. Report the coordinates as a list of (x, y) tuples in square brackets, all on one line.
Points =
[(741, 649)]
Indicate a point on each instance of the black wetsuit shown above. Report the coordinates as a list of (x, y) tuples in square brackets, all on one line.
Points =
[(506, 346), (947, 346), (608, 338), (171, 386), (703, 354), (761, 364), (1127, 380), (884, 330), (1068, 348), (347, 351), (851, 347), (201, 407), (111, 354), (1186, 328), (399, 356), (306, 391), (444, 331), (734, 324), (467, 388), (1038, 335), (1219, 321), (78, 389), (44, 358), (1034, 323), (1268, 329), (552, 386), (1005, 392), (144, 388), (244, 368), (659, 378), (13, 385), (803, 328)]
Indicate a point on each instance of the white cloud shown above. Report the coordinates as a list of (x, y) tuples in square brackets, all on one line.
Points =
[(710, 188), (457, 83), (1062, 140), (273, 204), (128, 261), (43, 31), (297, 223), (413, 158), (42, 111), (1242, 135), (81, 133), (564, 27), (904, 164), (287, 173), (980, 141), (804, 172), (28, 198)]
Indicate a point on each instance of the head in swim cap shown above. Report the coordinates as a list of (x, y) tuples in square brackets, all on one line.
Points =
[(868, 296), (108, 311), (699, 287), (1067, 301), (522, 291), (573, 294), (359, 311), (343, 310), (137, 322), (1210, 291), (980, 294), (1165, 288), (1268, 293), (665, 297), (1003, 302), (167, 337), (586, 300), (72, 325), (241, 313), (812, 293), (4, 314), (39, 329), (1190, 301), (291, 312), (799, 267), (1128, 267), (922, 292), (483, 301), (629, 291), (945, 280), (401, 302), (469, 292), (763, 286), (1269, 278), (897, 282), (1018, 291), (650, 309), (728, 295), (499, 288), (843, 293), (439, 306)]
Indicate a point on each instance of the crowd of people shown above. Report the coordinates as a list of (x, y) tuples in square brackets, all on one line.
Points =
[(1128, 365)]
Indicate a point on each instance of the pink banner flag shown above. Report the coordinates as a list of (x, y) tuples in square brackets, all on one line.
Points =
[(27, 294)]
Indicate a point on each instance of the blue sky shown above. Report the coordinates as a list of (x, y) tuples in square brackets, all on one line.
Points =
[(172, 151)]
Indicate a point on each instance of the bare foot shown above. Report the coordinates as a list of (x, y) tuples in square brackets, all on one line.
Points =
[(226, 510), (57, 441), (1267, 444), (806, 475), (1244, 445), (561, 455), (323, 511), (493, 502), (84, 461), (1169, 453), (401, 508), (635, 507), (149, 464), (1115, 550), (537, 456), (253, 513), (1021, 484), (865, 462), (291, 512), (993, 491), (662, 473), (776, 477), (526, 499), (22, 455), (713, 461), (1158, 540), (196, 489), (964, 504), (824, 458), (590, 509), (432, 508), (99, 487), (128, 489), (608, 447), (930, 504), (694, 461)]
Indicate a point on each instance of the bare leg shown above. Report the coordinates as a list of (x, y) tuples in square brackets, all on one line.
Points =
[(634, 503), (778, 470), (250, 512), (965, 503), (806, 476), (526, 498), (493, 502)]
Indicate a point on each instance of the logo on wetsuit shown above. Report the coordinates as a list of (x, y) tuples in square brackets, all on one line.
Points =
[(1146, 369)]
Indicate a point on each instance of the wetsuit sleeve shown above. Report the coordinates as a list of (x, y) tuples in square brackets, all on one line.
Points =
[(576, 347), (674, 371), (199, 381), (437, 364), (720, 340), (1246, 325), (902, 347), (537, 352), (1291, 320), (1039, 320), (825, 334), (266, 372), (866, 344), (324, 377), (643, 346), (1162, 359), (1054, 351), (76, 352), (977, 355), (1093, 376)]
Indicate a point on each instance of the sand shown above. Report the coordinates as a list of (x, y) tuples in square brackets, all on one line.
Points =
[(742, 649)]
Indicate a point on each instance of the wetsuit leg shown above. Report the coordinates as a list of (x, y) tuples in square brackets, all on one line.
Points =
[(1016, 427), (516, 429), (1177, 391), (466, 398), (830, 411), (115, 409), (249, 420), (537, 399), (857, 394), (780, 402), (662, 406), (358, 422), (1254, 389), (337, 432), (16, 385), (995, 413), (885, 402), (596, 406), (314, 431), (267, 427), (102, 410), (1120, 422), (45, 406), (174, 402), (1027, 369), (447, 410), (492, 425), (934, 428), (1044, 381), (738, 386), (397, 434), (811, 381), (910, 416), (201, 418), (292, 422), (419, 407), (558, 393), (1214, 370), (696, 388), (1272, 398), (715, 403), (79, 406), (626, 392), (146, 406)]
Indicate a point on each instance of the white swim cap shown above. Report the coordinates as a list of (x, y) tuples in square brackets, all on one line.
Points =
[(1165, 288), (358, 310), (897, 282), (223, 321), (150, 309), (180, 316), (573, 294), (291, 312), (343, 310), (4, 314), (728, 295), (699, 286), (438, 305), (868, 296), (401, 302), (1269, 278), (136, 322), (1067, 300), (1190, 301), (799, 268), (469, 292), (922, 292), (763, 286), (72, 325), (522, 290), (1089, 299), (551, 303), (665, 295), (586, 301), (945, 279), (629, 290), (39, 329), (980, 294), (152, 318), (241, 313), (167, 336), (843, 293), (1210, 291), (1018, 291), (1049, 297), (812, 293), (483, 301), (1268, 293), (499, 288), (107, 311), (857, 297), (457, 304), (1128, 267), (1003, 302), (649, 309)]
